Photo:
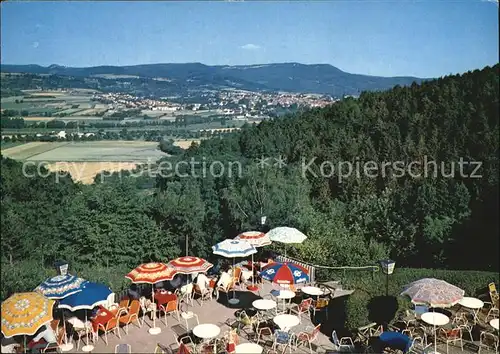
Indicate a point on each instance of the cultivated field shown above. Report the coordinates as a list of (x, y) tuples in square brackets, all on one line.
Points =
[(85, 172), (28, 150), (83, 160)]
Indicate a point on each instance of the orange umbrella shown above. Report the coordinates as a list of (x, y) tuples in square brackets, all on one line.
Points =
[(151, 273), (189, 265)]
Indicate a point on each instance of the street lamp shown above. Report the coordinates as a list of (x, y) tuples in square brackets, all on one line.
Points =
[(61, 267), (387, 268)]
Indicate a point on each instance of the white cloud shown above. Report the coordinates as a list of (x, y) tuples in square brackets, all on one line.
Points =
[(250, 46), (493, 1)]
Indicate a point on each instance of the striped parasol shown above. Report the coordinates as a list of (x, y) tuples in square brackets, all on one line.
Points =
[(25, 313), (232, 249), (285, 273), (151, 273), (256, 239), (189, 265), (60, 286)]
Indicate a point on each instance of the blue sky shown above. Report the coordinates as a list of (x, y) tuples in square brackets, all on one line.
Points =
[(426, 39)]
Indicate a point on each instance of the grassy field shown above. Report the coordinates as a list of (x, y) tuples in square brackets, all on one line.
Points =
[(83, 160), (28, 150)]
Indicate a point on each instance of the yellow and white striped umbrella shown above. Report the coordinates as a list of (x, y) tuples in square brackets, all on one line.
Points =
[(25, 313)]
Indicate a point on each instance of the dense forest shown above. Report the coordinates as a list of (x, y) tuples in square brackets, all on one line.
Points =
[(443, 219)]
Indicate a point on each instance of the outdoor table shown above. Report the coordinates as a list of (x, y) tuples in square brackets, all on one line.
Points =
[(264, 304), (207, 331), (494, 323), (248, 348), (472, 303), (395, 340), (162, 297), (312, 290), (435, 319), (285, 322), (285, 295)]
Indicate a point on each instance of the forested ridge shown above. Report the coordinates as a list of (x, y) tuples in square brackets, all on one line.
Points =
[(445, 221)]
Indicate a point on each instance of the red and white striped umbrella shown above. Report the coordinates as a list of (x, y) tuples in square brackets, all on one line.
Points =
[(189, 265), (255, 238), (152, 273)]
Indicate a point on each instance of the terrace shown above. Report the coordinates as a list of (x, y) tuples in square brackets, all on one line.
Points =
[(222, 314)]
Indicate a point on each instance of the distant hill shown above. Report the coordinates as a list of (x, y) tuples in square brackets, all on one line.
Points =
[(290, 77)]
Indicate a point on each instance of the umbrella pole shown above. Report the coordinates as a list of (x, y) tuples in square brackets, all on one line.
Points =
[(153, 298), (253, 280), (234, 270)]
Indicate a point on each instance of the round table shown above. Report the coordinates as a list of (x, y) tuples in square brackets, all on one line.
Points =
[(286, 322), (264, 304), (435, 319), (248, 348), (312, 290), (206, 331), (472, 303), (494, 323), (285, 295)]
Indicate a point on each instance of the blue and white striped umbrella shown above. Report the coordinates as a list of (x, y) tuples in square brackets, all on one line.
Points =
[(91, 295), (234, 248), (60, 286)]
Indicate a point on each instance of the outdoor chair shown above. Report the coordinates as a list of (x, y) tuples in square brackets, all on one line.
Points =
[(364, 333), (263, 331), (124, 304), (227, 289), (303, 308), (419, 332), (189, 315), (283, 339), (344, 344), (182, 337), (308, 337), (245, 321), (320, 305), (204, 293), (123, 349), (168, 308), (451, 336), (236, 276), (82, 333), (147, 306), (131, 315), (59, 334), (488, 341), (407, 318), (185, 293), (494, 311), (111, 326)]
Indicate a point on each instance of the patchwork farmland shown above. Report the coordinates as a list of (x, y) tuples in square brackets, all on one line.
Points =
[(83, 160)]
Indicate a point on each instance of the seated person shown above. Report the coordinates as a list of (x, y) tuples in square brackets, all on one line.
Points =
[(43, 336), (224, 280), (202, 281), (133, 292)]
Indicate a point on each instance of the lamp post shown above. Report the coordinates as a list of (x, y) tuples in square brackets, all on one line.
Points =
[(61, 267), (387, 268)]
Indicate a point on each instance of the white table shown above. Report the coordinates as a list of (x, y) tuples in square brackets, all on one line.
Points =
[(248, 348), (494, 323), (285, 322), (207, 331), (312, 290), (264, 304), (472, 303), (285, 295), (435, 319)]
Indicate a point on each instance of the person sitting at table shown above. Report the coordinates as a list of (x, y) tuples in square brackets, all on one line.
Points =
[(133, 293), (44, 336), (202, 281), (225, 279)]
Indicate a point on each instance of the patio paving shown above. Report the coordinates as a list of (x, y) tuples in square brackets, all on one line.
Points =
[(216, 312)]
